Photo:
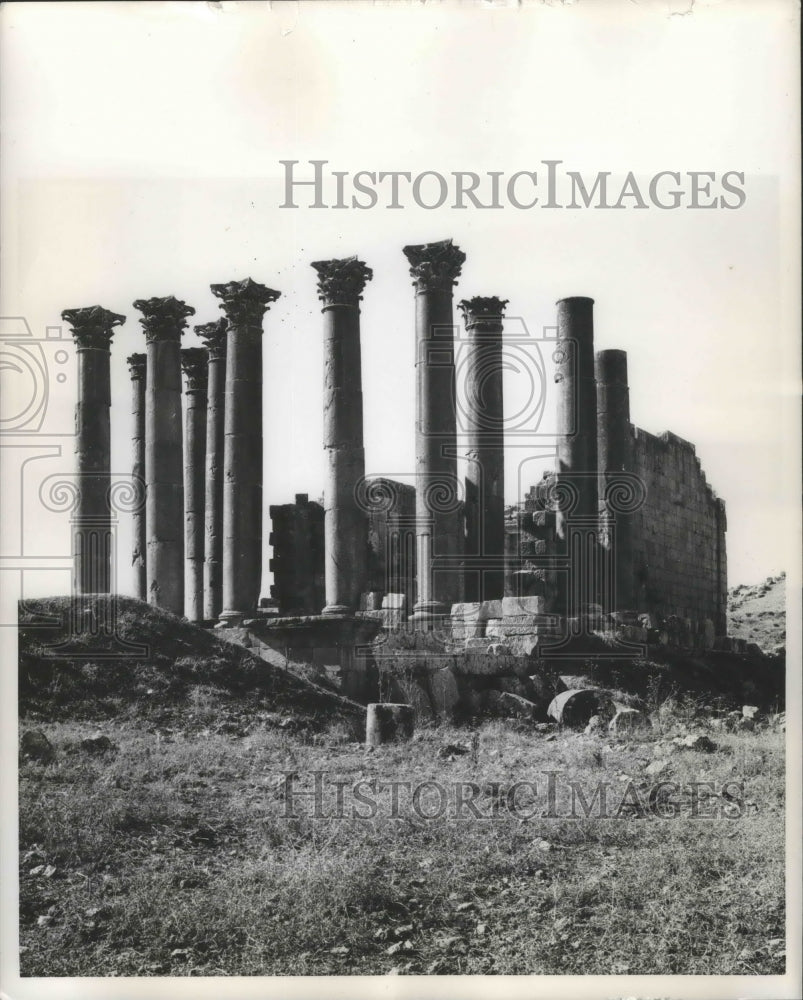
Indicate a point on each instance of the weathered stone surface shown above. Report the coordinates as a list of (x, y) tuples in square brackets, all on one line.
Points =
[(750, 711), (695, 741), (394, 602), (628, 720), (417, 695), (244, 304), (36, 746), (575, 708), (92, 330), (483, 418), (389, 723), (163, 321), (435, 268), (194, 362), (138, 368), (523, 607), (521, 707), (214, 336)]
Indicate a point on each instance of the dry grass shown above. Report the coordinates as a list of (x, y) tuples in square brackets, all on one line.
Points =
[(172, 854)]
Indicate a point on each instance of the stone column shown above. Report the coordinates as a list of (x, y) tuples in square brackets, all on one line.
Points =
[(435, 268), (244, 304), (194, 364), (485, 453), (138, 367), (93, 329), (214, 335), (164, 320), (615, 455), (340, 287), (577, 449)]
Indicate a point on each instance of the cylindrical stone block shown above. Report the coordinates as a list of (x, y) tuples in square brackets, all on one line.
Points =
[(92, 329), (615, 447), (214, 335), (138, 367), (164, 320), (244, 304), (340, 287), (485, 455), (435, 268), (388, 723), (194, 364)]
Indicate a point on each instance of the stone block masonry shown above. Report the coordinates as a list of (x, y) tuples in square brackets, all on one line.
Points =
[(297, 537), (679, 558)]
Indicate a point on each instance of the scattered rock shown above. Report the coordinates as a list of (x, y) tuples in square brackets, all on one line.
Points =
[(451, 750), (750, 712), (34, 745), (695, 741), (595, 725), (628, 720), (657, 767), (97, 744), (520, 707)]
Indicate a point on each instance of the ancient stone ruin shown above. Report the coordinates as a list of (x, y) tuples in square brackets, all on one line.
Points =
[(624, 538)]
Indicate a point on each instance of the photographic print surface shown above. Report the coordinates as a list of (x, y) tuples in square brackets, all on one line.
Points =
[(400, 549)]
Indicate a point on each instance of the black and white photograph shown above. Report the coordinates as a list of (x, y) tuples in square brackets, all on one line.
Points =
[(400, 551)]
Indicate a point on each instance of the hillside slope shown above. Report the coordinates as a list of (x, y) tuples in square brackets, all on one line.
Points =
[(758, 613), (148, 661)]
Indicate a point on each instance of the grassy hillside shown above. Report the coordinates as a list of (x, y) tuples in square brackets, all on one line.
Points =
[(152, 664), (758, 613)]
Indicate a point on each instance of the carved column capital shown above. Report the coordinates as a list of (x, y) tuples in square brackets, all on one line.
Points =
[(163, 318), (341, 282), (92, 326), (195, 365), (214, 335), (435, 266), (244, 302), (483, 311), (137, 364)]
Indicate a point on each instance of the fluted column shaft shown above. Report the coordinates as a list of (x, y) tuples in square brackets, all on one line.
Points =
[(435, 268), (244, 304), (615, 455), (164, 320), (485, 454), (92, 329), (214, 335), (138, 366), (194, 363), (340, 286)]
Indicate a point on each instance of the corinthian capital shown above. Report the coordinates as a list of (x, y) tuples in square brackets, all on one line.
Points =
[(92, 326), (163, 318), (195, 365), (214, 336), (341, 282), (137, 364), (482, 310), (244, 302), (435, 266)]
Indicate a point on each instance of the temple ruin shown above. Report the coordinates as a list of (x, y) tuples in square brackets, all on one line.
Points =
[(623, 537)]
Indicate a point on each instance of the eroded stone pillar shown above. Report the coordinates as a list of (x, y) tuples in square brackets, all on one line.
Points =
[(194, 363), (138, 368), (435, 268), (615, 455), (244, 304), (340, 287), (577, 514), (485, 452), (92, 330), (164, 320), (214, 335)]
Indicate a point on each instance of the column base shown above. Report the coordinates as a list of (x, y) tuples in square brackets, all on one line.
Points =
[(336, 609), (231, 619)]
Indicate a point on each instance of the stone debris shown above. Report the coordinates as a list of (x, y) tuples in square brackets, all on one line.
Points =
[(628, 720), (695, 741), (34, 745)]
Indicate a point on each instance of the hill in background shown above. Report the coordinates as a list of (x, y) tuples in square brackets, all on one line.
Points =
[(758, 613)]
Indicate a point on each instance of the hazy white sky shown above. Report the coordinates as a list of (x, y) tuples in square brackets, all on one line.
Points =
[(141, 149)]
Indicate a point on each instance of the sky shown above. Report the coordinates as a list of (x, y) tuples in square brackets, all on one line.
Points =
[(142, 156)]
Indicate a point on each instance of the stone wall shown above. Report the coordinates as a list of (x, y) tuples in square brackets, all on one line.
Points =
[(391, 538), (298, 556), (678, 534)]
